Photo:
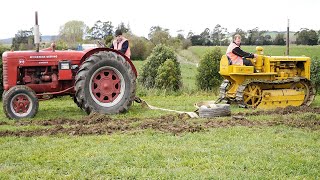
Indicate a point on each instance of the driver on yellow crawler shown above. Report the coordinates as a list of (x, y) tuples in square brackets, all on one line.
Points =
[(237, 55)]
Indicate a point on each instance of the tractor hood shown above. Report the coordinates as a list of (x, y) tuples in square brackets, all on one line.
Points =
[(44, 55)]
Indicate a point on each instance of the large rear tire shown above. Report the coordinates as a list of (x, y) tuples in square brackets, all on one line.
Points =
[(20, 102), (3, 93), (105, 84)]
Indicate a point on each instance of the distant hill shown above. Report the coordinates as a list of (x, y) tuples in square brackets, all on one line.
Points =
[(48, 38), (6, 41), (45, 38)]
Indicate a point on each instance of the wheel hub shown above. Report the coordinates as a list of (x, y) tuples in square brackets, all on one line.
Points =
[(252, 95), (21, 104), (106, 86)]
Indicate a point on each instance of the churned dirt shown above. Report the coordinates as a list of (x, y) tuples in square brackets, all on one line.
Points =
[(96, 124), (284, 111)]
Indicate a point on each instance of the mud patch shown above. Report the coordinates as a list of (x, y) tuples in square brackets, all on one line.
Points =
[(308, 121), (3, 123), (172, 124), (283, 111), (96, 124), (88, 120)]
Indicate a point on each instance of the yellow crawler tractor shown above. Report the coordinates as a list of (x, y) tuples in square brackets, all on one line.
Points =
[(273, 81)]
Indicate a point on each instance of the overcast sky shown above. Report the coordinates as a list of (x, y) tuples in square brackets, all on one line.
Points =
[(175, 15)]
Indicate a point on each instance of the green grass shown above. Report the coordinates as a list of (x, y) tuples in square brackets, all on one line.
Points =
[(295, 50), (237, 152), (189, 55), (277, 152)]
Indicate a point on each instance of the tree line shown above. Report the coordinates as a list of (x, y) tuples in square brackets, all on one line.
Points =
[(73, 33), (220, 36)]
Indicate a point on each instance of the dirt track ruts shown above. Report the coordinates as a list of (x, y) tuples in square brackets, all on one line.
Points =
[(96, 124)]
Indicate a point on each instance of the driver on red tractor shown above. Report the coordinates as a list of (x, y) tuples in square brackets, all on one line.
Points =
[(121, 44), (236, 55)]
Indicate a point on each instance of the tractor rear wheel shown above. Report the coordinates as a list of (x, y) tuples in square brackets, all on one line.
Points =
[(105, 84), (20, 102), (3, 93)]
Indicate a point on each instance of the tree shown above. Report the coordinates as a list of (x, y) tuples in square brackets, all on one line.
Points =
[(197, 40), (72, 32), (186, 44), (101, 30), (180, 35), (256, 37), (124, 28), (307, 37), (190, 34), (219, 35), (267, 40), (205, 35), (159, 35), (279, 39), (23, 40), (140, 47)]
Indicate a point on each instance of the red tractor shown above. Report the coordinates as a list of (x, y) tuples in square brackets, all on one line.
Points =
[(100, 80)]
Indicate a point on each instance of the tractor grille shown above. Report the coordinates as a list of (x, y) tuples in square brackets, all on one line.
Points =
[(5, 71)]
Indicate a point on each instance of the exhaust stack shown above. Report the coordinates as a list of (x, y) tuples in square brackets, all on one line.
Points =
[(36, 33)]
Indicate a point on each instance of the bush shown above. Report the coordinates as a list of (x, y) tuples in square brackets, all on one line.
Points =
[(175, 43), (186, 43), (169, 76), (315, 75), (150, 69), (108, 40), (61, 45), (140, 47), (208, 77)]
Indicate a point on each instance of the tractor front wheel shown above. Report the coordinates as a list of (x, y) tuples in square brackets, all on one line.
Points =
[(20, 102), (105, 84)]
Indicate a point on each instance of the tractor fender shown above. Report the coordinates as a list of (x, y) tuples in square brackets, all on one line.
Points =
[(95, 50)]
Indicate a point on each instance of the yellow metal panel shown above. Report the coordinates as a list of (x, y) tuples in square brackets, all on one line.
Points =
[(266, 65), (243, 69), (307, 66), (255, 74), (224, 66), (288, 58), (281, 98)]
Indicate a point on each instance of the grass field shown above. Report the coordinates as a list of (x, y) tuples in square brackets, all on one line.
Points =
[(310, 51), (148, 144)]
